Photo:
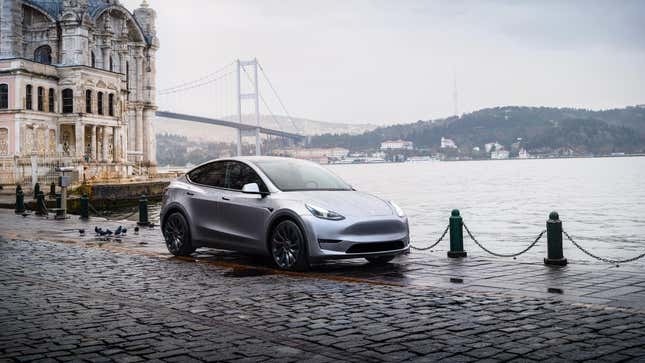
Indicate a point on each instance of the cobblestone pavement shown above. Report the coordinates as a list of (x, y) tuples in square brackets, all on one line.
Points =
[(594, 283), (62, 302)]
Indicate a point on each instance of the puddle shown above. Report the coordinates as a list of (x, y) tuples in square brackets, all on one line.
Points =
[(247, 272)]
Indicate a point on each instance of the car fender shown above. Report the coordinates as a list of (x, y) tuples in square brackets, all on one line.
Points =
[(286, 213), (180, 207)]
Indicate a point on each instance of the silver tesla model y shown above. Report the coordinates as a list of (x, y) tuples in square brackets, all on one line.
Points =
[(294, 211)]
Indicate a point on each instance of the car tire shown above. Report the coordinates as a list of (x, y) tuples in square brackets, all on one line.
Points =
[(176, 233), (288, 247), (380, 260)]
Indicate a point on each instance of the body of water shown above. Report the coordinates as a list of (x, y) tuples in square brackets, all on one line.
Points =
[(506, 203)]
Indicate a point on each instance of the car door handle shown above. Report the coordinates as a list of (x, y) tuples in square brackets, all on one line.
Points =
[(190, 193), (225, 198)]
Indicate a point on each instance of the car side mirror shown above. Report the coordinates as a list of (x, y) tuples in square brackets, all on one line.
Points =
[(251, 188)]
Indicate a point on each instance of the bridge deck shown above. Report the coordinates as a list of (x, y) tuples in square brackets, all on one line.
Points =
[(235, 125)]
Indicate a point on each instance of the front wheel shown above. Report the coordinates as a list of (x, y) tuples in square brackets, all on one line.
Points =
[(177, 235), (380, 260), (288, 247)]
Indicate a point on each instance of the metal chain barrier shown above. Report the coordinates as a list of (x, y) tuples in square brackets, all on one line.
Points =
[(434, 244), (502, 254), (601, 258)]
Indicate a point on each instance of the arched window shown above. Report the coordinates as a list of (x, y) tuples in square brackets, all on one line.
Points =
[(41, 99), (68, 101), (92, 60), (111, 104), (88, 101), (111, 64), (29, 97), (99, 102), (51, 99), (43, 54), (4, 96)]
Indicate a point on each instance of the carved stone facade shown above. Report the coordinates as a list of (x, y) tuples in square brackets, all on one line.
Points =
[(77, 81)]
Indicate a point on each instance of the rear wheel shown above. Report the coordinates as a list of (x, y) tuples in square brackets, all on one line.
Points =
[(177, 235), (288, 247), (380, 260)]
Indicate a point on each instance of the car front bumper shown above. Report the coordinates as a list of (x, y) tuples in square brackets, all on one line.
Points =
[(356, 237)]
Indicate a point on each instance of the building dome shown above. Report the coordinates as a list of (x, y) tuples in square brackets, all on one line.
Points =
[(54, 8), (95, 8)]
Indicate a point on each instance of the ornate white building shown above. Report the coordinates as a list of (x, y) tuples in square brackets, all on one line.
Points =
[(77, 82)]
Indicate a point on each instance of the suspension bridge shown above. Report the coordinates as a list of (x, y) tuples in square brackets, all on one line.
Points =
[(231, 97)]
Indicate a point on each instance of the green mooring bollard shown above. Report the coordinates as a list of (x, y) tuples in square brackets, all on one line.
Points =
[(20, 200), (555, 256), (59, 201), (52, 190), (41, 208), (143, 211), (456, 235), (36, 190), (85, 207)]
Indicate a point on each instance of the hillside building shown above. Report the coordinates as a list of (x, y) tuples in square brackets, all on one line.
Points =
[(447, 143), (77, 86), (397, 145), (319, 155)]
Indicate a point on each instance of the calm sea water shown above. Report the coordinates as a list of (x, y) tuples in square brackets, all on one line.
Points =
[(506, 203)]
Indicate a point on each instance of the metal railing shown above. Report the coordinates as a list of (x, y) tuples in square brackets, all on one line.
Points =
[(554, 232)]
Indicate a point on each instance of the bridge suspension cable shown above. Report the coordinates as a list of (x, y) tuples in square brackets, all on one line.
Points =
[(189, 84), (248, 76), (277, 96)]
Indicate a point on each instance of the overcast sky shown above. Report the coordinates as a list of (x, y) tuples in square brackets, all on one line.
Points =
[(392, 61)]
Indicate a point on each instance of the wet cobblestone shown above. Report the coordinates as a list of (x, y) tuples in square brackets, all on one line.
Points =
[(63, 302)]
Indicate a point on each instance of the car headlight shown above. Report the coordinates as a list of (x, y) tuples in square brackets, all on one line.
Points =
[(324, 213), (397, 209)]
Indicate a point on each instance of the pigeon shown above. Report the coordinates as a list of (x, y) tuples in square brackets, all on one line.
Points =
[(108, 232), (25, 215), (81, 231), (97, 230), (136, 229), (118, 231), (125, 230)]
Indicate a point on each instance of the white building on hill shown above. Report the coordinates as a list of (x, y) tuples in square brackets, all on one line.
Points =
[(397, 145), (447, 143)]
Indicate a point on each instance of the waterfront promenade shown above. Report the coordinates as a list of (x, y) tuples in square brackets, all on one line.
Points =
[(70, 297)]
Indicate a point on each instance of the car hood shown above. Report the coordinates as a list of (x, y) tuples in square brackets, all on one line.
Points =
[(347, 203)]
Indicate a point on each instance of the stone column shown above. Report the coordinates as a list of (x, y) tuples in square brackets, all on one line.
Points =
[(139, 75), (149, 151), (104, 153), (139, 130), (115, 144), (94, 156), (79, 130)]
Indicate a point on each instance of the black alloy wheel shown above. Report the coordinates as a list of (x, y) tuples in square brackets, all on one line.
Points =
[(288, 247), (177, 235)]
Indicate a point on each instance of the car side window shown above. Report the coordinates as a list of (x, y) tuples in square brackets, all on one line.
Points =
[(213, 174), (239, 174)]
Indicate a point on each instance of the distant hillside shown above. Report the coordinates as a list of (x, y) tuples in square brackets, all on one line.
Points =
[(217, 134), (542, 129)]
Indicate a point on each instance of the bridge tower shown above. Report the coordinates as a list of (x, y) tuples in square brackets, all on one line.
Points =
[(253, 95)]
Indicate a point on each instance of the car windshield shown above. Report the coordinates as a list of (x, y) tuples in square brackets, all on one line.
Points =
[(297, 175)]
